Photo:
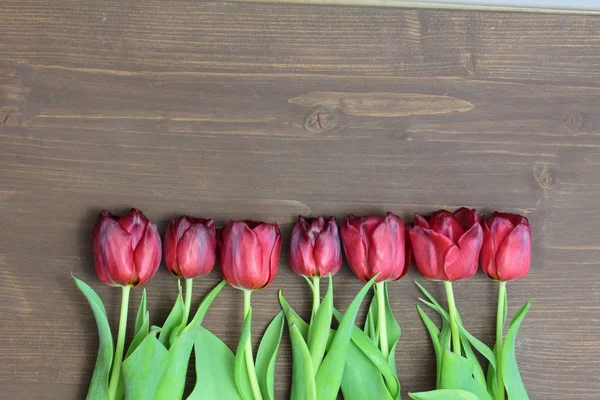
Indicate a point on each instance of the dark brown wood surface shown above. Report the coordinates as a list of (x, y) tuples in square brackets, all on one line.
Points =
[(229, 110)]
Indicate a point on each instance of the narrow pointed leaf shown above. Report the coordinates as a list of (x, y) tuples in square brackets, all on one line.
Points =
[(371, 326), (173, 320), (293, 318), (318, 332), (141, 314), (393, 329), (479, 345), (457, 373), (214, 369), (99, 384), (365, 345), (241, 375), (172, 381), (303, 375), (329, 376), (362, 380), (266, 356), (434, 333), (510, 370), (144, 367)]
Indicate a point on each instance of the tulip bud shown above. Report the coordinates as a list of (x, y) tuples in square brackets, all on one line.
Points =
[(506, 251), (190, 247), (315, 247), (446, 247), (375, 245), (127, 250), (250, 253)]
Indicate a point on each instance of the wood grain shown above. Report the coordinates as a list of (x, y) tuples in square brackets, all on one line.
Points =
[(231, 110)]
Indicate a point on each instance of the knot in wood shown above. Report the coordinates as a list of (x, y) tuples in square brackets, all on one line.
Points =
[(319, 119)]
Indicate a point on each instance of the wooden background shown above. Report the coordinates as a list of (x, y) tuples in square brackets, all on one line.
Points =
[(229, 110)]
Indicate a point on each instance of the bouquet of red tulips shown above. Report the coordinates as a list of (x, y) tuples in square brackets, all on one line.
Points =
[(330, 353)]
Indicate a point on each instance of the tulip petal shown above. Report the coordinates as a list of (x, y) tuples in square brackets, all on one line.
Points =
[(147, 255), (429, 250), (301, 256), (515, 219), (463, 262), (112, 252), (241, 256), (135, 223), (274, 257), (196, 251), (407, 252), (268, 235), (355, 247), (386, 249), (327, 251), (488, 252), (171, 249), (514, 254), (466, 217), (421, 221), (444, 223)]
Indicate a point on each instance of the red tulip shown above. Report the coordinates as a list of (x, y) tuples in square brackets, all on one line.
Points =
[(190, 247), (447, 246), (506, 252), (375, 245), (127, 249), (250, 253), (315, 247)]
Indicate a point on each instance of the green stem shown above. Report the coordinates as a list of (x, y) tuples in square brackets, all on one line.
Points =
[(381, 319), (499, 333), (189, 285), (452, 312), (316, 296), (118, 359), (248, 352)]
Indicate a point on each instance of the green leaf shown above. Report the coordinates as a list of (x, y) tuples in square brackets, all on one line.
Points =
[(371, 326), (172, 381), (143, 368), (329, 376), (141, 334), (478, 374), (141, 314), (393, 329), (444, 394), (370, 350), (318, 332), (479, 345), (142, 324), (370, 322), (435, 334), (293, 318), (303, 375), (432, 299), (173, 321), (362, 379), (491, 378), (99, 384), (457, 373), (266, 356), (214, 369), (241, 375), (510, 370)]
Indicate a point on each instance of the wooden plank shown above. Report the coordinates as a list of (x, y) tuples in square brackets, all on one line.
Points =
[(162, 35), (264, 111)]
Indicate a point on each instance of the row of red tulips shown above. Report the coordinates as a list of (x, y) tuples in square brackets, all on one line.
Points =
[(446, 246)]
